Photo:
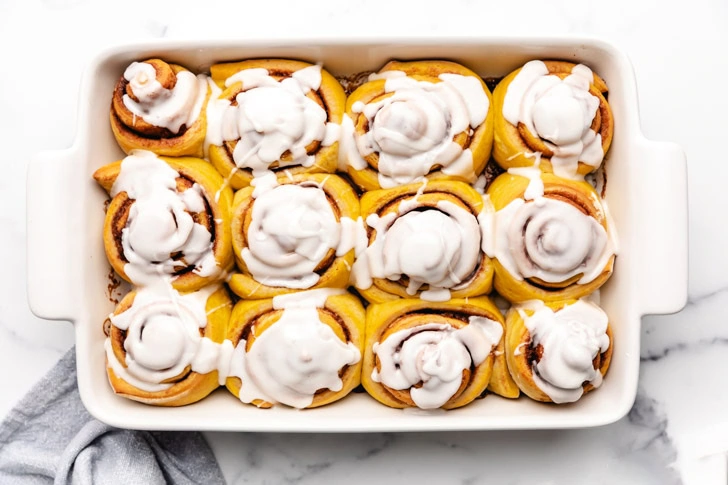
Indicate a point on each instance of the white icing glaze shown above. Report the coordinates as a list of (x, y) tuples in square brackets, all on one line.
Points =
[(215, 110), (159, 222), (571, 338), (292, 229), (163, 337), (158, 106), (558, 111), (479, 184), (486, 221), (434, 354), (551, 240), (438, 247), (535, 188), (271, 118), (413, 129), (296, 356)]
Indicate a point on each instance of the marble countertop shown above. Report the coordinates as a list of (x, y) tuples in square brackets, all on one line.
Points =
[(679, 421)]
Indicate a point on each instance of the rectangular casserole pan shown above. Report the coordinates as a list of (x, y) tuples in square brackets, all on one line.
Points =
[(69, 274)]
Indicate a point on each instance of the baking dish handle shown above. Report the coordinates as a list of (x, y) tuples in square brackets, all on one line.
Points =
[(663, 276), (51, 291)]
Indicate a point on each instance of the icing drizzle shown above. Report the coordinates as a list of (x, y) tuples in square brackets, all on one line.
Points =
[(271, 119), (163, 338), (159, 106), (560, 112), (160, 223), (436, 246), (292, 229), (296, 356), (549, 239), (435, 355), (571, 339), (413, 129)]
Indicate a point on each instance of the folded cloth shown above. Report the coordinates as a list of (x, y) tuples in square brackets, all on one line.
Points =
[(50, 438)]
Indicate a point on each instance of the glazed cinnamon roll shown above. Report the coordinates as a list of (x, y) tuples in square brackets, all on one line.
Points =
[(273, 115), (435, 355), (551, 238), (168, 219), (414, 120), (164, 348), (298, 233), (160, 107), (302, 350), (558, 351), (424, 241), (556, 111)]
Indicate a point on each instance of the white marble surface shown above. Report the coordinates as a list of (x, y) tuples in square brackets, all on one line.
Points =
[(678, 49)]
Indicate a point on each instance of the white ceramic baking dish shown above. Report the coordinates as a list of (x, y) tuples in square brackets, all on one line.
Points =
[(68, 272)]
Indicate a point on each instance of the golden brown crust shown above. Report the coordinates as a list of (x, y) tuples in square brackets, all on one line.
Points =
[(479, 141), (522, 355), (387, 318), (386, 201), (330, 96), (187, 387), (581, 195), (133, 133), (333, 270), (513, 144), (215, 218)]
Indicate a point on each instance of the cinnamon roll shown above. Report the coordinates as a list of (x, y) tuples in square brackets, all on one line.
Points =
[(296, 233), (550, 238), (302, 350), (414, 120), (168, 219), (558, 351), (435, 355), (164, 348), (556, 111), (273, 115), (160, 107), (424, 241)]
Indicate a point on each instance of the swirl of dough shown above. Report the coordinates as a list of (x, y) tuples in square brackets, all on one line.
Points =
[(161, 341), (161, 226), (164, 347), (570, 339), (435, 247), (171, 105), (436, 356), (423, 240), (560, 114), (293, 227), (418, 125), (551, 240)]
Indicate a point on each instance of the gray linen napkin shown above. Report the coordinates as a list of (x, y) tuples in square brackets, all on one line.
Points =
[(50, 438)]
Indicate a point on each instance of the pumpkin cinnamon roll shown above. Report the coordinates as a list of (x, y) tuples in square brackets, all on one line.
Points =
[(160, 107), (423, 241), (558, 351), (553, 114), (168, 219), (294, 233), (417, 119), (552, 240), (302, 350), (435, 355), (273, 115), (164, 348)]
